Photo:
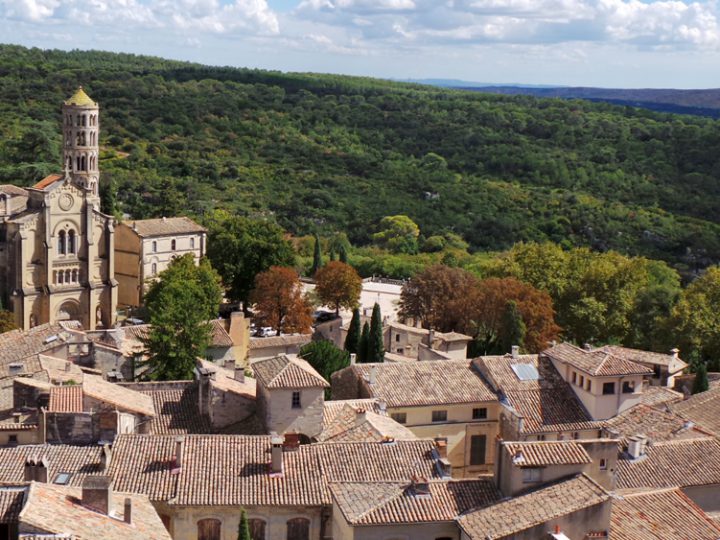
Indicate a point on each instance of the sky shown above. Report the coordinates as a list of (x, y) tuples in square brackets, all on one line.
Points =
[(608, 43)]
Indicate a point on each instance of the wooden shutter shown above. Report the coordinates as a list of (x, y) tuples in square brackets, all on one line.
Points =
[(477, 449), (208, 529), (298, 529)]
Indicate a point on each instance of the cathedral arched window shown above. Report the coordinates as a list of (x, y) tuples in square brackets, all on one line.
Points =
[(75, 276), (71, 242), (78, 120), (61, 277), (153, 269), (67, 276), (61, 243), (84, 120), (83, 163), (77, 163), (55, 277)]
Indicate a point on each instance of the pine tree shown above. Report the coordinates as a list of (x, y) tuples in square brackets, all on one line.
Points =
[(362, 354), (244, 527), (375, 347), (317, 257), (343, 254), (352, 340), (701, 380)]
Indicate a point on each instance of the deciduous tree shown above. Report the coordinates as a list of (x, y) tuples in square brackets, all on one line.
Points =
[(398, 234), (338, 285), (180, 305), (279, 302)]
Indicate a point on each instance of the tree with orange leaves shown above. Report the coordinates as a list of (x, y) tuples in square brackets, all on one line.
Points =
[(279, 301), (503, 305), (338, 285)]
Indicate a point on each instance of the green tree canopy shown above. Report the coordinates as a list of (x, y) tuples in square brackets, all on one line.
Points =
[(180, 304), (352, 340), (398, 234), (325, 357)]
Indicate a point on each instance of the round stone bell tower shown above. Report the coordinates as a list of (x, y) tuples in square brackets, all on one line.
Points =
[(81, 120)]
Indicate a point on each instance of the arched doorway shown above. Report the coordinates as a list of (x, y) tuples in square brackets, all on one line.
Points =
[(68, 311)]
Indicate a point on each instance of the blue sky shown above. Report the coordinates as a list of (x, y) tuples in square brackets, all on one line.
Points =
[(612, 43)]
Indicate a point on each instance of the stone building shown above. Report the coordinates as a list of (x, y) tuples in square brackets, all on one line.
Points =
[(144, 248), (56, 246)]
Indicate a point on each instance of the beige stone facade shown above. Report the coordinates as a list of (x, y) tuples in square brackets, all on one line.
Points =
[(57, 247), (144, 248)]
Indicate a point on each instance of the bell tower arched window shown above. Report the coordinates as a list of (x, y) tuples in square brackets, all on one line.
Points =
[(71, 244), (61, 242)]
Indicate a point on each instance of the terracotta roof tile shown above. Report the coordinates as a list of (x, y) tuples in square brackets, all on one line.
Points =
[(232, 470), (703, 409), (79, 461), (527, 511), (640, 356), (660, 515), (9, 189), (11, 503), (218, 335), (656, 424), (285, 372), (19, 346), (66, 399), (596, 362), (58, 509), (659, 395), (117, 396), (164, 226), (279, 341), (48, 181), (424, 383), (541, 453), (392, 503), (355, 424)]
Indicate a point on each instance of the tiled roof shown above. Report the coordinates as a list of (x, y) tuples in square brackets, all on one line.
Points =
[(79, 461), (597, 362), (118, 396), (703, 409), (58, 509), (452, 336), (11, 502), (18, 345), (660, 515), (230, 470), (48, 181), (9, 189), (392, 503), (656, 424), (279, 341), (541, 453), (527, 511), (66, 399), (218, 335), (424, 383), (640, 356), (659, 395), (334, 407), (360, 425), (164, 226), (546, 404), (176, 407), (285, 372), (689, 462), (224, 379), (81, 99)]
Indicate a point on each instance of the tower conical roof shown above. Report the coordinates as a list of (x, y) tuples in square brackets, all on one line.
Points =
[(80, 98)]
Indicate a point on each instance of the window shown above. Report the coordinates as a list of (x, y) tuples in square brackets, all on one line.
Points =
[(208, 529), (603, 464), (574, 377), (12, 440), (173, 245), (399, 417), (439, 416), (588, 385), (154, 246), (296, 400), (153, 269), (628, 387), (608, 388), (71, 241), (257, 529), (582, 381), (62, 478), (192, 243), (480, 413), (575, 435), (531, 475), (298, 529), (541, 437), (477, 449), (400, 351), (61, 242), (397, 337)]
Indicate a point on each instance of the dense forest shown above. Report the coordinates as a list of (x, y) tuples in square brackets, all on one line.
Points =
[(325, 153)]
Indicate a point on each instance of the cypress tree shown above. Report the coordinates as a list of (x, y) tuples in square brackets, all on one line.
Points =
[(343, 254), (244, 527), (352, 340), (376, 349), (362, 354), (332, 253), (701, 380), (317, 257)]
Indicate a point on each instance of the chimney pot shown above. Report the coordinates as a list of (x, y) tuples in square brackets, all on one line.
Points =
[(675, 352), (29, 471), (353, 359), (431, 338), (106, 457), (373, 375), (178, 451), (276, 463), (127, 510), (515, 349)]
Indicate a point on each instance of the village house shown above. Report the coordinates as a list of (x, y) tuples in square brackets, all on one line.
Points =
[(665, 366), (702, 409), (145, 247), (441, 400), (56, 246), (265, 348)]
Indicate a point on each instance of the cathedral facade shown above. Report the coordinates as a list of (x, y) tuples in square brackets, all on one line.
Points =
[(56, 246)]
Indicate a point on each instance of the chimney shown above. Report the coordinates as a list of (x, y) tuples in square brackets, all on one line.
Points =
[(431, 338), (29, 471), (105, 457), (675, 353), (382, 407), (372, 378), (420, 486), (643, 443), (240, 374), (276, 463), (353, 359), (96, 493), (515, 351), (179, 441), (587, 347), (127, 510), (68, 366), (164, 219), (16, 417), (360, 417), (229, 364), (441, 447), (518, 457), (41, 471), (634, 448)]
